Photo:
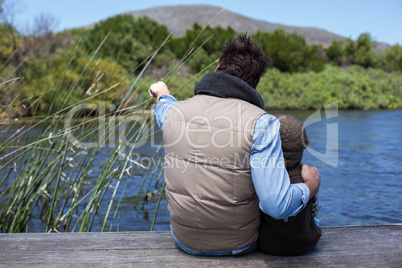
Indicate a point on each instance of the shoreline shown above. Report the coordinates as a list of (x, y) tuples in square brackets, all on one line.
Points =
[(270, 110)]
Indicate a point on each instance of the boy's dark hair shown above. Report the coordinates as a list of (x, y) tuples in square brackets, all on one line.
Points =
[(243, 58)]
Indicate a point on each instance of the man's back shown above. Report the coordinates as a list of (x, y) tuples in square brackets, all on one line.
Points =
[(212, 200)]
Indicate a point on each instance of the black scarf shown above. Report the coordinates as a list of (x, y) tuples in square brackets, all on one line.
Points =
[(224, 85)]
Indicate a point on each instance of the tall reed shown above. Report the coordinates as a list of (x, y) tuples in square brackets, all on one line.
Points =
[(60, 176)]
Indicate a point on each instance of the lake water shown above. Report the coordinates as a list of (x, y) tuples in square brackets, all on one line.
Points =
[(365, 187), (358, 154)]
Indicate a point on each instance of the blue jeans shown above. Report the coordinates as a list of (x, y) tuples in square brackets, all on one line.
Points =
[(207, 253)]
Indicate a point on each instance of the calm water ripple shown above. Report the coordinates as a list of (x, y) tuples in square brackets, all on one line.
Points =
[(365, 187)]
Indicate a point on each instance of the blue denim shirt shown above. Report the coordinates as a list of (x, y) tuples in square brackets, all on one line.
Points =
[(277, 197)]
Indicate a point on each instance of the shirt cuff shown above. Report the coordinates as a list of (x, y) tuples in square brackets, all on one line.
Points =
[(166, 102), (306, 193), (166, 97)]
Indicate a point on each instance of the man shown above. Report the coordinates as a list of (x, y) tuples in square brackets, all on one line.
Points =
[(223, 158)]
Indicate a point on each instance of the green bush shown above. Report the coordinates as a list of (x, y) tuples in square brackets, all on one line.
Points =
[(353, 88), (69, 77)]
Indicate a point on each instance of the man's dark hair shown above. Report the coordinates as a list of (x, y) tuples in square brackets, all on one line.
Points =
[(243, 58)]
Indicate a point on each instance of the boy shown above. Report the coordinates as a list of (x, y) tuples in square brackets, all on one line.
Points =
[(299, 234)]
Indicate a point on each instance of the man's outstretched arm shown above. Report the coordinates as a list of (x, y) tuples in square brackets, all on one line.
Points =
[(164, 101)]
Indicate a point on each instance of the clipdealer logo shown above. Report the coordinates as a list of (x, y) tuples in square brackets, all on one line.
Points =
[(330, 156), (114, 129)]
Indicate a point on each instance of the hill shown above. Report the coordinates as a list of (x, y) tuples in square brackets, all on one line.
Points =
[(178, 19)]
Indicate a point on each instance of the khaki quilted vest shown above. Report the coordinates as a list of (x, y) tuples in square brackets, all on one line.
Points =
[(211, 196)]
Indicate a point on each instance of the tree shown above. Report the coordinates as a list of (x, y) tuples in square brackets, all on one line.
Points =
[(204, 44), (40, 38), (289, 52), (7, 46), (130, 42), (335, 53), (361, 52), (8, 10), (349, 51), (394, 57), (365, 55), (200, 60)]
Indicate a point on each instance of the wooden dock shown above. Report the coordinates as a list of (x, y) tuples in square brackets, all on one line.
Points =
[(353, 246)]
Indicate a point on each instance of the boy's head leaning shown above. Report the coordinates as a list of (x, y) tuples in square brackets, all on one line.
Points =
[(293, 138)]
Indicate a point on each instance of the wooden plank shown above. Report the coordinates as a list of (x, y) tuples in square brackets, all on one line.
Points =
[(354, 246)]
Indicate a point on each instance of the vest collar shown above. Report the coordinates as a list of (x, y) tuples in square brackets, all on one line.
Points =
[(223, 85)]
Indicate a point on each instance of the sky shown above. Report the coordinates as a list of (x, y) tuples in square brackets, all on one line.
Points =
[(348, 18)]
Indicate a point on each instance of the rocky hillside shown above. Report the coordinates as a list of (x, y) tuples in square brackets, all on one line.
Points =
[(180, 18)]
